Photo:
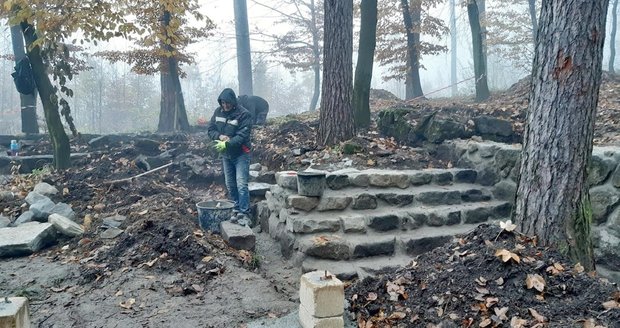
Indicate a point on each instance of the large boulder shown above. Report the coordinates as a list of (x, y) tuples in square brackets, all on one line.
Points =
[(494, 128)]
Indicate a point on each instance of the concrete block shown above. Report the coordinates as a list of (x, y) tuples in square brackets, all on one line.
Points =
[(321, 297), (26, 239), (287, 179), (238, 237), (15, 313), (307, 320)]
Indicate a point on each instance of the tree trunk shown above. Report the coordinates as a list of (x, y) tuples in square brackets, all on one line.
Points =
[(612, 42), (552, 197), (172, 114), (28, 102), (365, 59), (49, 99), (336, 117), (480, 69), (244, 56), (453, 46), (412, 19), (316, 53), (532, 7)]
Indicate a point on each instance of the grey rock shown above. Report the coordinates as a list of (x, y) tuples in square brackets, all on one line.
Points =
[(364, 202), (477, 215), (505, 190), (359, 179), (600, 168), (148, 163), (453, 218), (99, 141), (267, 177), (450, 197), (65, 225), (27, 216), (488, 176), (487, 151), (435, 220), (604, 199), (396, 199), (6, 195), (420, 178), (465, 176), (253, 175), (384, 222), (110, 233), (475, 195), (26, 239), (64, 210), (258, 189), (354, 223), (337, 181), (374, 247), (327, 247), (302, 224), (442, 178), (415, 220), (148, 146), (238, 237), (34, 197), (45, 189), (425, 244), (114, 221), (42, 209), (255, 167), (607, 248), (262, 215), (502, 211), (507, 158), (379, 180), (287, 179), (4, 221), (303, 203), (334, 203), (439, 130), (615, 178), (493, 128)]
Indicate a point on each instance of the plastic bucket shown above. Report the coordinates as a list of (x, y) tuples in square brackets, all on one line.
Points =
[(212, 212), (311, 183)]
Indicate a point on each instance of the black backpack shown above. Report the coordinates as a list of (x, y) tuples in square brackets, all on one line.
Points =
[(23, 78)]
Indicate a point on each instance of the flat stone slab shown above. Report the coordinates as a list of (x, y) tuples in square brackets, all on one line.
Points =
[(26, 239), (258, 188), (237, 236), (14, 313)]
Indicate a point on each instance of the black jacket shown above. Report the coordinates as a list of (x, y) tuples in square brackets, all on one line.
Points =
[(257, 106), (236, 124)]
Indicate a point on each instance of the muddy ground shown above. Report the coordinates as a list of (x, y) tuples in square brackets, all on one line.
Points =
[(164, 271)]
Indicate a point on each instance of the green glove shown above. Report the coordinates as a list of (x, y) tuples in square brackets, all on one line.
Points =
[(220, 146)]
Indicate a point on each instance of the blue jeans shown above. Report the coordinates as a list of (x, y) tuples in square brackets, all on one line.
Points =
[(237, 175)]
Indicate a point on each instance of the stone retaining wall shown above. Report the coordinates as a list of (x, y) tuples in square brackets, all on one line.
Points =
[(498, 166)]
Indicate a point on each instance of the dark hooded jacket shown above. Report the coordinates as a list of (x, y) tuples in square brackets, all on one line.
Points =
[(236, 124), (257, 106)]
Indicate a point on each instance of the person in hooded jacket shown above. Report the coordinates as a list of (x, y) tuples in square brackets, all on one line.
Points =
[(230, 128)]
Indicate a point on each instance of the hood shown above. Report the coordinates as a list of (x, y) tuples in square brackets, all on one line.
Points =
[(227, 95)]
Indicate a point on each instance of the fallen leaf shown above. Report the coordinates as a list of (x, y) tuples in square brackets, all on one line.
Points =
[(143, 212), (58, 290), (611, 305), (535, 281), (152, 262), (506, 255), (517, 322), (501, 313), (198, 288), (499, 281), (119, 293), (482, 291), (507, 226), (128, 303), (481, 281), (486, 322), (536, 315), (207, 259), (371, 296), (490, 301), (397, 316), (579, 268)]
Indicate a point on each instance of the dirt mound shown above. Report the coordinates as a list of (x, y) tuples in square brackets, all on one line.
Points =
[(487, 278)]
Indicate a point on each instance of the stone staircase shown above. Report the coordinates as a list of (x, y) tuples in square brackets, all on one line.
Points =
[(367, 221)]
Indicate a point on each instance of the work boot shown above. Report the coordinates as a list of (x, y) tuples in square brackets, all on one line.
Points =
[(243, 220)]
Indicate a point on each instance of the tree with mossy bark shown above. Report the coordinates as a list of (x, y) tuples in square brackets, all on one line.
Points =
[(365, 60), (553, 202), (47, 26)]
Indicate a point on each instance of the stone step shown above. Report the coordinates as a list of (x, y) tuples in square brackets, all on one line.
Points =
[(352, 178), (343, 247), (405, 218), (372, 197), (360, 268)]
